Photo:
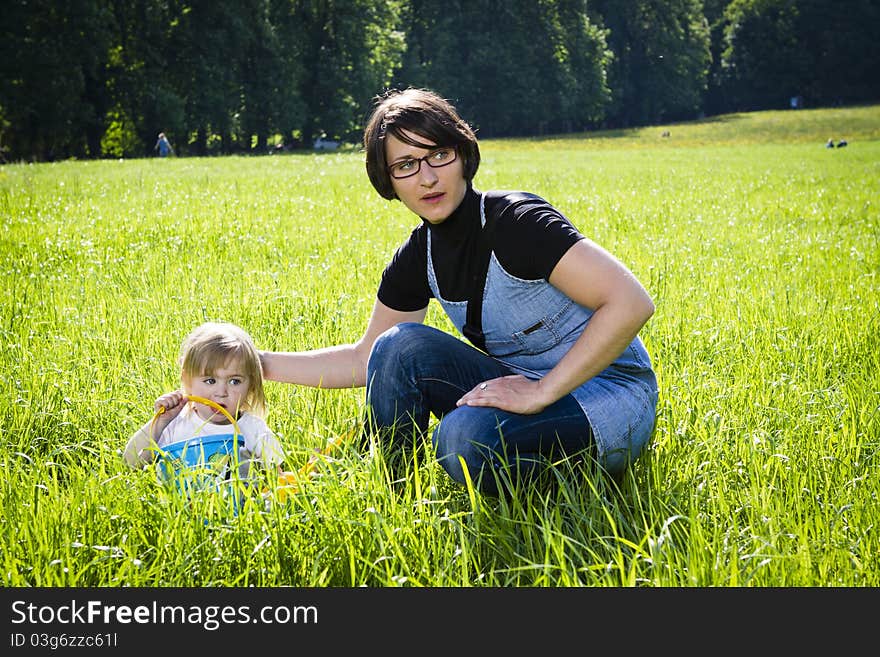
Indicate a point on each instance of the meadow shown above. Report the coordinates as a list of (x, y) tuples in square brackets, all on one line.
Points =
[(759, 246)]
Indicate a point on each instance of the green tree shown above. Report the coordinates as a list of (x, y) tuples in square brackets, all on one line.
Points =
[(842, 49), (262, 76), (146, 98), (713, 10), (288, 106), (350, 49), (208, 38), (514, 68), (53, 77), (824, 51), (589, 59), (661, 59), (764, 63)]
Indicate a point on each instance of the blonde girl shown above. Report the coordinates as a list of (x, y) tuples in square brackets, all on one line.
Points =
[(220, 363)]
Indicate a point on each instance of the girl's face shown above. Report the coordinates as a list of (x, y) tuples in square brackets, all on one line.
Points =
[(432, 193), (227, 386)]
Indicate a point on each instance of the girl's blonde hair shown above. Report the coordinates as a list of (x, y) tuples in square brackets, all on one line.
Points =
[(213, 344)]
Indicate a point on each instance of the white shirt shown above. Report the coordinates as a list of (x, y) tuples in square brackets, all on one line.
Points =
[(259, 441)]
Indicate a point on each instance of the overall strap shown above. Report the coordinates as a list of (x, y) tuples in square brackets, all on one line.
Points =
[(490, 208)]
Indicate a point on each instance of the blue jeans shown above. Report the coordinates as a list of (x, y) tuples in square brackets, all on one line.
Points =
[(415, 371)]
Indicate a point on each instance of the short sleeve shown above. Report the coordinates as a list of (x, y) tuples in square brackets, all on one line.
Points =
[(404, 285)]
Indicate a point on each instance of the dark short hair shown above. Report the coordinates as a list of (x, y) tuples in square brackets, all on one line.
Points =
[(421, 112)]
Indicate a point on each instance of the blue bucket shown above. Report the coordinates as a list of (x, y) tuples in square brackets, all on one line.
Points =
[(201, 463)]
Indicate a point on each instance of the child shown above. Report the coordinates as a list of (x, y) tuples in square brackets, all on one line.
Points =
[(163, 146), (220, 363)]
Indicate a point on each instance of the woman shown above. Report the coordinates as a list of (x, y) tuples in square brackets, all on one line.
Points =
[(560, 369)]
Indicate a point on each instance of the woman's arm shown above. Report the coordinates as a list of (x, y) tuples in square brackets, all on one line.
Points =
[(342, 366), (594, 278)]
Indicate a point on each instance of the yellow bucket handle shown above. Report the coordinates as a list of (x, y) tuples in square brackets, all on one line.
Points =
[(200, 400)]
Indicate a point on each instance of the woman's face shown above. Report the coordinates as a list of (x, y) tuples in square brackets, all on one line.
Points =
[(432, 193)]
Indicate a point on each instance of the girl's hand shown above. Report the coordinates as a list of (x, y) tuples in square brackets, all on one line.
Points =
[(514, 393), (172, 403)]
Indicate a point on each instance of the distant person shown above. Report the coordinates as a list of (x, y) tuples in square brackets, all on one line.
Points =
[(555, 366), (829, 143), (163, 146), (218, 362), (841, 143), (324, 144)]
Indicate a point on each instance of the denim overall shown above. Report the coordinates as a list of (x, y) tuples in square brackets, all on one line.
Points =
[(529, 326)]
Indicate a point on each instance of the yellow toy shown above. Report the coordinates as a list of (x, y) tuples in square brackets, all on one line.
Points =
[(289, 482)]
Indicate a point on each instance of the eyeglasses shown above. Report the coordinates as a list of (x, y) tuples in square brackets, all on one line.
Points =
[(411, 166)]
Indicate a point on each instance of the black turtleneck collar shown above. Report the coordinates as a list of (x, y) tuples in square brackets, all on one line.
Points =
[(463, 220), (456, 248)]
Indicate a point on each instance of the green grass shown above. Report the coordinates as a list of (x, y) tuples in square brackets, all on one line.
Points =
[(758, 245)]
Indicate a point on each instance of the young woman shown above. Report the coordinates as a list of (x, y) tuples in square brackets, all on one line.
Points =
[(555, 366)]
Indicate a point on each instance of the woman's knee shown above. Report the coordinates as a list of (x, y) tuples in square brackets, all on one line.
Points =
[(397, 344), (464, 439)]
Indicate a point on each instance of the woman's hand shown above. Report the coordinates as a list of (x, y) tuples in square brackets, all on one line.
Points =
[(514, 393)]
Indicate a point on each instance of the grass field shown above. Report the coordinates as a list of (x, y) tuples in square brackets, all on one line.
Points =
[(760, 247)]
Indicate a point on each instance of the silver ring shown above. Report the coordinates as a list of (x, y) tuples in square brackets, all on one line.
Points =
[(483, 386)]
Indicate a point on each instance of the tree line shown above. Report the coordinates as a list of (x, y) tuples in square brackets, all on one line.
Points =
[(101, 78)]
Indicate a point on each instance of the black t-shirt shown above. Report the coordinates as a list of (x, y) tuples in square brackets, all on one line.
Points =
[(529, 238)]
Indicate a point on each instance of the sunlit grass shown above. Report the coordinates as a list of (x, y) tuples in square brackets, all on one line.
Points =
[(806, 126), (758, 245)]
